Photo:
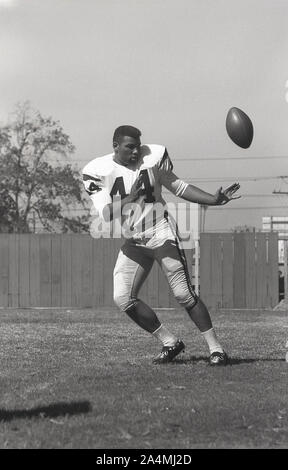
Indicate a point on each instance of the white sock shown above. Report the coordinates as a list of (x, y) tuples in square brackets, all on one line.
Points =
[(212, 341), (164, 335)]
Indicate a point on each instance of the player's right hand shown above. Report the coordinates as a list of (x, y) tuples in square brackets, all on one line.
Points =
[(136, 189), (222, 197)]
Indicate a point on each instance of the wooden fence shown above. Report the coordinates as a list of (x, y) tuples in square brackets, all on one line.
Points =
[(239, 270), (50, 270)]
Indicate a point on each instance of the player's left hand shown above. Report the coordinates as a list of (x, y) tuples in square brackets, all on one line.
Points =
[(222, 197)]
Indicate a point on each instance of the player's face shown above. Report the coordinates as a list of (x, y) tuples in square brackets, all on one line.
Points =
[(127, 152)]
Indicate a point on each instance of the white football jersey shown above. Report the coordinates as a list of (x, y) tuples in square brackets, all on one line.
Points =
[(106, 180)]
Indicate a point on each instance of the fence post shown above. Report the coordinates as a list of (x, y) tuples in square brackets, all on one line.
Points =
[(286, 270)]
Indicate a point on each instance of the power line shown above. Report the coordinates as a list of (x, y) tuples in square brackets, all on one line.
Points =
[(244, 195), (261, 195), (236, 178), (188, 159), (210, 207), (247, 207)]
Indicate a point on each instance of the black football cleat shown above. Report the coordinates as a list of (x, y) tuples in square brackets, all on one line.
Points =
[(218, 358), (169, 352)]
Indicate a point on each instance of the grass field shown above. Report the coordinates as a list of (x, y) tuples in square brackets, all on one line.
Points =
[(84, 379)]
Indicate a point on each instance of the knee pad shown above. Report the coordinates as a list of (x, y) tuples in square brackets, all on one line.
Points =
[(183, 290), (192, 301), (187, 299), (124, 302)]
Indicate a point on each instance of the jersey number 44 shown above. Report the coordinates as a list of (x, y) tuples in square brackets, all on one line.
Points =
[(119, 188)]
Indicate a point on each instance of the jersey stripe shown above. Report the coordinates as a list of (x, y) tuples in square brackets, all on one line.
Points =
[(165, 162), (183, 260), (89, 177)]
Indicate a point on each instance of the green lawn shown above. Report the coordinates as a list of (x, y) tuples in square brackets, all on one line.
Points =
[(84, 379)]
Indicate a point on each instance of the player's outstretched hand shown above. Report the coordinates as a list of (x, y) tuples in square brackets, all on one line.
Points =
[(222, 197)]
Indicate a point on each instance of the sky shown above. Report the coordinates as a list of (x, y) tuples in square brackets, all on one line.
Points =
[(173, 68)]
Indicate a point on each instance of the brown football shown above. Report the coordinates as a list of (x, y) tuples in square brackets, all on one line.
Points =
[(239, 127)]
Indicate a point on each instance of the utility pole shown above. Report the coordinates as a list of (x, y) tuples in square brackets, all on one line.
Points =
[(285, 258), (203, 209), (286, 271)]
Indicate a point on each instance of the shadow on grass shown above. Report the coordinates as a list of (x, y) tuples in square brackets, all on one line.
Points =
[(236, 360), (232, 361), (50, 411), (190, 359)]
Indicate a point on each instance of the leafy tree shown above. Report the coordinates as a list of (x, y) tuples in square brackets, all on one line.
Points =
[(36, 179)]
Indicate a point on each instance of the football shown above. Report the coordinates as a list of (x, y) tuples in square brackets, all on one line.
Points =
[(239, 127)]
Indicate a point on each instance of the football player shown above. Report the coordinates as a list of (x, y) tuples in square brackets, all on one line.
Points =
[(126, 185)]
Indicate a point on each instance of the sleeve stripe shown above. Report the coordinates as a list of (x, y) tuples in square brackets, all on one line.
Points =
[(89, 177), (165, 159), (181, 188)]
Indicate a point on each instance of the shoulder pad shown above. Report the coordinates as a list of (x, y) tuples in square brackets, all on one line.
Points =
[(101, 166), (152, 154)]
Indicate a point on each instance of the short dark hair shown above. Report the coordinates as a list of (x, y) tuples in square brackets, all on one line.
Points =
[(122, 131)]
